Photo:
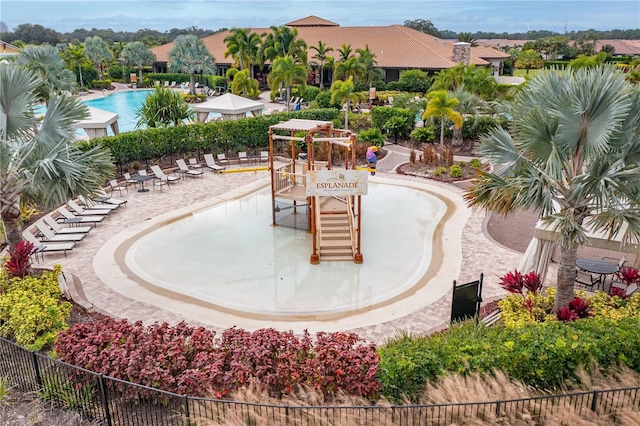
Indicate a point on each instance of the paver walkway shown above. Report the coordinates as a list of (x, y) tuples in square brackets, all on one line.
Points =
[(479, 252)]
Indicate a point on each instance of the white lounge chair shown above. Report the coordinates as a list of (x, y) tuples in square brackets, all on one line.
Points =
[(47, 247), (186, 170), (81, 211), (211, 163), (103, 198), (222, 159), (90, 204), (68, 217), (159, 174), (49, 220), (49, 236)]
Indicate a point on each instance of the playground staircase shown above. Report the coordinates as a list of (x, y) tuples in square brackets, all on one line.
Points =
[(335, 242)]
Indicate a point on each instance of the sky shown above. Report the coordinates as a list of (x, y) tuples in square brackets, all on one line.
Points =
[(469, 16)]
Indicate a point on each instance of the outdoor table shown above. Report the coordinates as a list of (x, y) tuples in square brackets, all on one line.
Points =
[(142, 179), (598, 267)]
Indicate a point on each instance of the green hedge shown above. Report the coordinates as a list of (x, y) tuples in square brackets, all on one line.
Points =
[(217, 136), (380, 115), (544, 355)]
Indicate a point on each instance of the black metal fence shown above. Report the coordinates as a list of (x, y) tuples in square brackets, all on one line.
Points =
[(111, 401)]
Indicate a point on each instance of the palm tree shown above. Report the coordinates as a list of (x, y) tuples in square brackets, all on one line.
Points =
[(343, 91), (138, 53), (368, 61), (345, 52), (285, 72), (469, 103), (323, 58), (244, 85), (573, 156), (190, 55), (242, 45), (39, 161), (529, 59), (352, 67), (467, 38), (162, 108), (45, 62), (443, 106), (283, 41), (75, 58), (98, 52)]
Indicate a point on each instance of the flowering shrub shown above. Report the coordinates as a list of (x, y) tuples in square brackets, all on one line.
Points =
[(31, 311), (19, 261), (628, 275), (193, 361), (577, 308), (516, 282)]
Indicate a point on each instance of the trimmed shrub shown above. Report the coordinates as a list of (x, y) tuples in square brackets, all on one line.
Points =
[(372, 136), (100, 84), (423, 134), (30, 309), (455, 171), (475, 163)]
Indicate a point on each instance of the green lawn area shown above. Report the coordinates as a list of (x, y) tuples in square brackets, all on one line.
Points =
[(522, 73)]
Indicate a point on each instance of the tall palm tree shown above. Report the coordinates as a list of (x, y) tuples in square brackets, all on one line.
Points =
[(345, 52), (322, 57), (138, 53), (74, 56), (190, 55), (242, 46), (244, 85), (573, 156), (39, 161), (283, 41), (285, 72), (368, 61), (468, 104), (98, 52), (343, 91), (47, 64), (442, 105), (352, 67)]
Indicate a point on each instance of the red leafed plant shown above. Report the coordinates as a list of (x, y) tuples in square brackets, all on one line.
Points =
[(516, 282), (617, 291), (189, 360), (577, 308), (19, 263), (628, 275)]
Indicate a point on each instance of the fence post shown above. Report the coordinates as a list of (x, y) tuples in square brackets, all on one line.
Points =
[(286, 413), (186, 409), (594, 401), (36, 368), (105, 399), (497, 408)]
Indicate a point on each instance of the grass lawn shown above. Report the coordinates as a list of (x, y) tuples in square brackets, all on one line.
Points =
[(523, 73)]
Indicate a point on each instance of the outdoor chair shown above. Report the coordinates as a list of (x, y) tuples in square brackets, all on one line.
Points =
[(47, 247), (49, 220), (128, 180), (211, 163), (264, 156), (103, 198), (115, 187), (68, 217), (90, 204), (194, 164), (79, 210), (242, 157), (49, 236), (587, 279), (162, 176), (182, 166), (222, 159)]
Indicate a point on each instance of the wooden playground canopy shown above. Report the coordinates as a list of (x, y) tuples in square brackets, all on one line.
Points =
[(289, 181)]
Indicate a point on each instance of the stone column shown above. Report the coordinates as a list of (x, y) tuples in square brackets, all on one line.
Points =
[(462, 53)]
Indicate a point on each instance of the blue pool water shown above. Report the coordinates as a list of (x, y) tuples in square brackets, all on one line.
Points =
[(125, 104)]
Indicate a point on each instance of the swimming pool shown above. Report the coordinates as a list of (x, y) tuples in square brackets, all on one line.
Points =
[(125, 104)]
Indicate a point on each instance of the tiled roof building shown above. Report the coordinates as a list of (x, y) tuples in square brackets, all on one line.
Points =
[(396, 47)]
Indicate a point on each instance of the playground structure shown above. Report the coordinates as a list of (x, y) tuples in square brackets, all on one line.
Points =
[(334, 207)]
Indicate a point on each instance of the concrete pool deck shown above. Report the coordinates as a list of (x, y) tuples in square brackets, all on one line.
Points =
[(479, 254)]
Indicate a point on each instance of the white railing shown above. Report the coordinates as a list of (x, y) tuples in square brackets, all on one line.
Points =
[(352, 222)]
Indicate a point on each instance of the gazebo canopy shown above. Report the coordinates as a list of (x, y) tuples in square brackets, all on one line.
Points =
[(96, 124), (232, 107)]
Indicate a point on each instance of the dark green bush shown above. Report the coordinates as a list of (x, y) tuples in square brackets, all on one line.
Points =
[(415, 80), (542, 355), (381, 115), (324, 100), (311, 93), (423, 134), (100, 84), (217, 136), (372, 136)]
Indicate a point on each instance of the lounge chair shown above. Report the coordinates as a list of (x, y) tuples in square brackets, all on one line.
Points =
[(103, 198), (193, 163), (242, 157), (159, 174), (49, 220), (166, 83), (211, 163), (183, 168), (47, 247), (79, 210), (222, 159), (68, 217), (90, 204), (173, 84), (50, 236), (115, 187)]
